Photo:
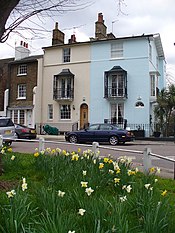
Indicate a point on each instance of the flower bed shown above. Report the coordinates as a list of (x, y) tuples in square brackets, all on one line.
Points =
[(79, 192)]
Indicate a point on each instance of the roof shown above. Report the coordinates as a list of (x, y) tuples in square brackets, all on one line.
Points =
[(27, 59), (155, 36)]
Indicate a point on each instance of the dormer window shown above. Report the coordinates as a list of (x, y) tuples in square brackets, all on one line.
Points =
[(22, 69)]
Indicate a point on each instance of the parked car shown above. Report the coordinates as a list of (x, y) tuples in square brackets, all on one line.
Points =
[(100, 133), (24, 132), (7, 130)]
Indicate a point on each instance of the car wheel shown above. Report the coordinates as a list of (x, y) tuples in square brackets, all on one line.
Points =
[(113, 140), (73, 139)]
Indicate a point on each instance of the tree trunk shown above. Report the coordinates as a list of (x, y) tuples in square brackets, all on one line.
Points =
[(6, 7)]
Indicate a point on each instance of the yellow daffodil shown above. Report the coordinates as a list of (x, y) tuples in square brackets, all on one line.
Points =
[(63, 152), (130, 172), (118, 171), (81, 212), (75, 157), (101, 165), (89, 191), (84, 184), (106, 160), (36, 154), (164, 193), (9, 149), (152, 169), (79, 150), (110, 161), (116, 180)]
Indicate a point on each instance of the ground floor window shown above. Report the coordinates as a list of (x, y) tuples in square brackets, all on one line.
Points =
[(18, 116), (65, 111), (50, 111), (117, 113)]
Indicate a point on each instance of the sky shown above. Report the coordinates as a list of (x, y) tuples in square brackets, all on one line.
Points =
[(138, 17)]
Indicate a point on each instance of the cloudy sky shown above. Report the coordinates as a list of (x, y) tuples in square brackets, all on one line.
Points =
[(143, 16)]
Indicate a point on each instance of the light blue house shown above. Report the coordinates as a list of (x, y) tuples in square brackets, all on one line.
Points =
[(125, 77)]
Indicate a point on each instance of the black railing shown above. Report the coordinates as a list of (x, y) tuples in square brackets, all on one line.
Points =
[(115, 92), (63, 93)]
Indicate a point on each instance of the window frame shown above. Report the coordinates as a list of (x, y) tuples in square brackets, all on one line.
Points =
[(22, 70), (65, 112), (50, 111), (66, 54), (22, 94), (117, 50)]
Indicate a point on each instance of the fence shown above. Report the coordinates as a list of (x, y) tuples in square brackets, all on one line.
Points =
[(147, 153)]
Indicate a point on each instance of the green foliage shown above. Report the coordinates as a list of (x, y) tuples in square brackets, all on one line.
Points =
[(49, 194)]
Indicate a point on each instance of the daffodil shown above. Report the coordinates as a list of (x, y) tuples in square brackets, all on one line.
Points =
[(128, 188), (79, 150), (24, 186), (81, 212), (152, 169), (118, 171), (111, 171), (84, 184), (9, 149), (75, 157), (101, 165), (164, 193), (155, 180), (71, 231), (60, 193), (84, 173), (147, 186), (89, 191), (36, 154), (122, 199), (106, 160), (11, 193), (158, 170), (116, 180), (130, 172), (13, 157)]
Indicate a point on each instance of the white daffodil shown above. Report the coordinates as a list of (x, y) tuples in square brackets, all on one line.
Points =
[(71, 231), (81, 212), (122, 199), (13, 157), (60, 193), (128, 188), (147, 186), (24, 186), (89, 191), (84, 184), (84, 173), (11, 193), (155, 180)]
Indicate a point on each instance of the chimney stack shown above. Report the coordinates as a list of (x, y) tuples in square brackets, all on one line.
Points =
[(72, 39), (100, 28), (22, 51), (57, 36)]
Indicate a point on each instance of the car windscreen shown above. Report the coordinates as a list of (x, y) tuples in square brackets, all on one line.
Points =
[(6, 122)]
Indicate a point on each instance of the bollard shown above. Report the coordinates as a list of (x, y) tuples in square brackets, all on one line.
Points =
[(41, 144), (95, 149), (147, 163)]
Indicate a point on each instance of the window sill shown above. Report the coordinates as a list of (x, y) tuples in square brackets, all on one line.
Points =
[(21, 98), (22, 74)]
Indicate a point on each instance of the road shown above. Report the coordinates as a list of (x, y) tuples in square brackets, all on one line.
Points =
[(133, 149)]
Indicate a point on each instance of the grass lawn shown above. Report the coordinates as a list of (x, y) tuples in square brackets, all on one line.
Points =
[(57, 191)]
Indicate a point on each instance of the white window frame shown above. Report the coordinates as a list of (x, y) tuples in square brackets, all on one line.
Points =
[(18, 116), (22, 88), (117, 50), (153, 84), (66, 55), (65, 112), (50, 111), (22, 69)]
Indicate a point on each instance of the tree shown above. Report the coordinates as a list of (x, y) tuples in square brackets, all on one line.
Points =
[(14, 12), (163, 110)]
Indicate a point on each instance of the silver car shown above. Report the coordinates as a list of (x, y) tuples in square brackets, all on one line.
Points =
[(7, 130)]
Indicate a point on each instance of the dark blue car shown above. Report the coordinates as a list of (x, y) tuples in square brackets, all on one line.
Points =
[(100, 133)]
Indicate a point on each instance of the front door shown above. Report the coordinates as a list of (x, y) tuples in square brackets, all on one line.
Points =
[(83, 116)]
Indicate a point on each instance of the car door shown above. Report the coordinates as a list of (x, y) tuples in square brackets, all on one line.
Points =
[(89, 134), (104, 132)]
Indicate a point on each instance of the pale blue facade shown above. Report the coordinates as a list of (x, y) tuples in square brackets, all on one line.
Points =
[(142, 58)]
